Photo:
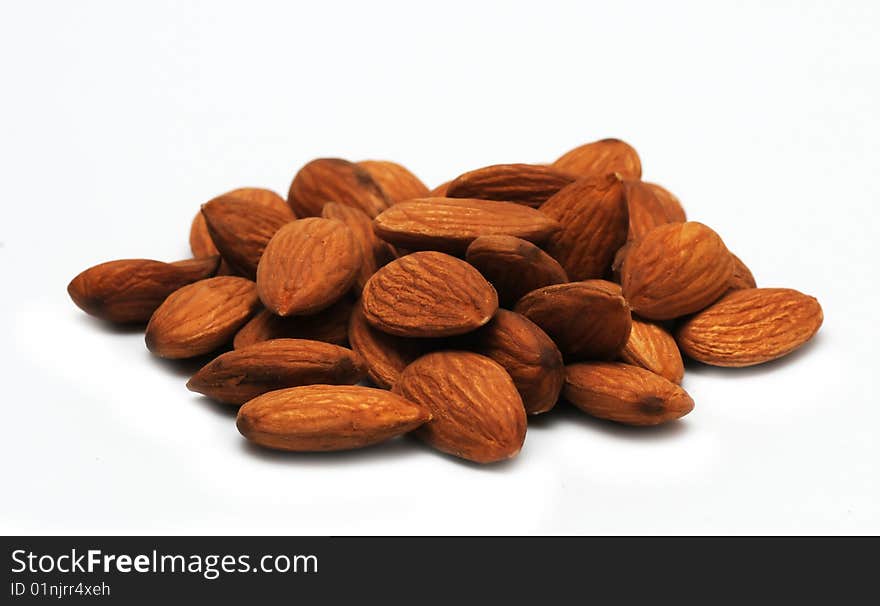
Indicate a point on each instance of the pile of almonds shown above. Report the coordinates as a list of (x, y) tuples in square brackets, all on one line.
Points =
[(468, 307)]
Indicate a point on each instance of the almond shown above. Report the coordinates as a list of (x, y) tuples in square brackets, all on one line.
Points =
[(439, 191), (334, 180), (396, 181), (307, 266), (329, 325), (130, 290), (477, 413), (624, 394), (428, 294), (451, 224), (751, 326), (374, 252), (529, 184), (646, 209), (674, 270), (586, 320), (593, 215), (317, 418), (527, 354), (654, 349), (241, 230), (513, 266), (601, 158), (742, 275), (671, 204), (201, 317), (238, 376)]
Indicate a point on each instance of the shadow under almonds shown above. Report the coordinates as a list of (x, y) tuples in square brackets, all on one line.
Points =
[(109, 328), (692, 366), (185, 368), (397, 448), (566, 414)]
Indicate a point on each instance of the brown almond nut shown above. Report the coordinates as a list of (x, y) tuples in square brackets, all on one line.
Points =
[(201, 317), (428, 294), (385, 355), (645, 208), (674, 270), (200, 239), (241, 230), (374, 252), (527, 354), (477, 412), (308, 265), (529, 184), (317, 418), (652, 348), (396, 181), (241, 375), (329, 325), (334, 180), (601, 158), (742, 275), (451, 224), (624, 394), (751, 326), (593, 215), (513, 266), (586, 320), (130, 290), (440, 191), (671, 204)]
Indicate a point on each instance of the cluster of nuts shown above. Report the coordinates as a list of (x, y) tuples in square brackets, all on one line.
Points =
[(468, 307)]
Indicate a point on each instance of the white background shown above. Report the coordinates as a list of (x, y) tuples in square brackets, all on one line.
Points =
[(118, 120)]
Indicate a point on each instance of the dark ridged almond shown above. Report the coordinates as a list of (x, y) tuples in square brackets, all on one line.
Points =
[(674, 270), (625, 394), (241, 230), (587, 320), (527, 354), (238, 376), (477, 412), (742, 275), (329, 325), (201, 317), (654, 349), (334, 180), (316, 418), (646, 209), (428, 294), (451, 224), (751, 326), (374, 252), (529, 184), (130, 290), (396, 181), (601, 158), (514, 266), (593, 215), (307, 266)]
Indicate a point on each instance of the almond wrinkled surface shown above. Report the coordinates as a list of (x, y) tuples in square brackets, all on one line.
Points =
[(600, 158), (529, 184), (334, 180), (653, 348)]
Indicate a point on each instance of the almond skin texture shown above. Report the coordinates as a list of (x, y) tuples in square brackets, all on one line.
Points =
[(396, 181), (241, 375), (201, 317), (385, 355), (674, 270), (527, 354), (594, 220), (587, 320), (329, 325), (451, 224), (130, 290), (428, 294), (334, 180), (646, 209), (742, 275), (477, 412), (308, 265), (373, 251), (440, 191), (241, 230), (318, 418), (529, 184), (751, 326), (624, 394), (513, 266), (601, 158), (652, 348), (671, 204)]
